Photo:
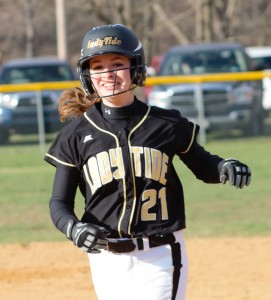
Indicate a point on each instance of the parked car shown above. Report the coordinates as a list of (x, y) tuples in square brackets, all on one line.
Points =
[(18, 110), (227, 105), (261, 58)]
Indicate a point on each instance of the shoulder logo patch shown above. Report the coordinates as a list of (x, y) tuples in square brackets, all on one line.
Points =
[(88, 138)]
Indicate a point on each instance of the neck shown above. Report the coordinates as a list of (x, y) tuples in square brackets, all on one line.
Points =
[(120, 100)]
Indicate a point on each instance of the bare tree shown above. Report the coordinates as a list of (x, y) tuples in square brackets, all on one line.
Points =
[(160, 24)]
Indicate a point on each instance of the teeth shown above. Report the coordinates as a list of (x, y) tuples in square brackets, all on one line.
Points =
[(111, 85)]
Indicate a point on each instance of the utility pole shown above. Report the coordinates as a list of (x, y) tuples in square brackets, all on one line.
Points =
[(30, 32), (61, 29)]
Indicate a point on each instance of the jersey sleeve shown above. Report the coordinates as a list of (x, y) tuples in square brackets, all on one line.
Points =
[(63, 195), (62, 152), (186, 134), (202, 163)]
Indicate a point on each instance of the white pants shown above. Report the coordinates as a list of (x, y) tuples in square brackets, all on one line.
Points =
[(142, 274)]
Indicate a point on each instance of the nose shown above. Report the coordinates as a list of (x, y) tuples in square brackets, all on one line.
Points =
[(108, 73)]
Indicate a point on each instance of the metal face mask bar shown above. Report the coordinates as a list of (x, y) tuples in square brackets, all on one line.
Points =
[(93, 74)]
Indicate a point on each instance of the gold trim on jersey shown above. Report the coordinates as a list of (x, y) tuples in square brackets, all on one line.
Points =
[(123, 179), (192, 140), (60, 161), (132, 168)]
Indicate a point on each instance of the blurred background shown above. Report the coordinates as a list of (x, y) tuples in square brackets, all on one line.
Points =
[(29, 27), (33, 30)]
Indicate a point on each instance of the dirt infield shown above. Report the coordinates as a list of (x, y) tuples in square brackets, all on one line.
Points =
[(228, 268)]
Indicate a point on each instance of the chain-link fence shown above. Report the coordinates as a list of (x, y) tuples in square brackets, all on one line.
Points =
[(217, 102), (33, 108), (30, 111)]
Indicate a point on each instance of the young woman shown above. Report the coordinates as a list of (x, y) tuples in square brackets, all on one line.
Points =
[(119, 152)]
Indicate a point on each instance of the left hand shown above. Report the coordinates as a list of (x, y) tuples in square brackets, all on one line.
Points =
[(236, 172)]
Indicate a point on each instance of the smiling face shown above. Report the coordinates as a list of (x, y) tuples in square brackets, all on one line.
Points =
[(110, 75)]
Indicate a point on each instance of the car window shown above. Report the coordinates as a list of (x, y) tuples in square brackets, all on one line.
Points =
[(262, 63), (36, 74), (215, 61)]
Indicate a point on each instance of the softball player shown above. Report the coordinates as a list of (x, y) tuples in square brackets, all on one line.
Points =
[(119, 152)]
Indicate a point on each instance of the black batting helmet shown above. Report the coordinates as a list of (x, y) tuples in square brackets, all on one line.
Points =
[(107, 39)]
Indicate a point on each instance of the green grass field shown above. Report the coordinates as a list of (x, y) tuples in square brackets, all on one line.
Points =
[(212, 210)]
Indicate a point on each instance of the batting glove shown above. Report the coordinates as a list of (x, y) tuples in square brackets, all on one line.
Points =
[(88, 237), (236, 172)]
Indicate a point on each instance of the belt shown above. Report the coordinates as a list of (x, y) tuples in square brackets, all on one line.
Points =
[(129, 245)]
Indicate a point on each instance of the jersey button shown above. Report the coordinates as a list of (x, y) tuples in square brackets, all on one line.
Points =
[(128, 206)]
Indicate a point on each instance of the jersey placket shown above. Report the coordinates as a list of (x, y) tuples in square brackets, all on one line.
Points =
[(128, 188), (125, 222)]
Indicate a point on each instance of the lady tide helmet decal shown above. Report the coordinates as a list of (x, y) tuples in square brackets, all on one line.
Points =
[(109, 40)]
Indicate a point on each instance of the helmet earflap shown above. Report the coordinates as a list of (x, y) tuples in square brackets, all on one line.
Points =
[(84, 77), (138, 72)]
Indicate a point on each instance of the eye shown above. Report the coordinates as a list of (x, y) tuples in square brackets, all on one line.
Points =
[(96, 67), (121, 64), (118, 64)]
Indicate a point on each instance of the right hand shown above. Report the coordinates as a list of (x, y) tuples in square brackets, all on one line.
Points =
[(88, 237)]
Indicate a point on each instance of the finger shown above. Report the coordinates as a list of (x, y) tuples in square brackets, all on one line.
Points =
[(92, 242), (238, 177), (101, 244), (94, 251), (243, 182), (245, 176), (223, 178), (248, 177), (231, 174), (85, 249), (223, 175)]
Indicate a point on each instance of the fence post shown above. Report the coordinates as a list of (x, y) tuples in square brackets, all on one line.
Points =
[(200, 109), (41, 126)]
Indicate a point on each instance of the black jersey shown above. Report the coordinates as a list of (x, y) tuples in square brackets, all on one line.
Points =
[(128, 177)]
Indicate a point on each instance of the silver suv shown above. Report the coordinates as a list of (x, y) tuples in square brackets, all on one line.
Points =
[(227, 105), (18, 110)]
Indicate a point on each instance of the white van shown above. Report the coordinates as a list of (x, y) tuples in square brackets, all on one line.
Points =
[(261, 57)]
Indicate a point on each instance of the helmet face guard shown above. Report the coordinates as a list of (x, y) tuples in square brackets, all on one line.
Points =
[(89, 76), (111, 39)]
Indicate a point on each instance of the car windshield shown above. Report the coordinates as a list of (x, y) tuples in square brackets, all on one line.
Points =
[(202, 62), (36, 74)]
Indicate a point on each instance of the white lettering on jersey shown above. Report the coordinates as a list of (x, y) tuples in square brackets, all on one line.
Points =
[(92, 174), (155, 163), (117, 163), (106, 166)]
